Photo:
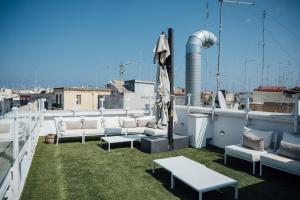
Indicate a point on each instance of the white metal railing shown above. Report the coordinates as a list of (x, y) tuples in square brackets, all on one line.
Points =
[(13, 183)]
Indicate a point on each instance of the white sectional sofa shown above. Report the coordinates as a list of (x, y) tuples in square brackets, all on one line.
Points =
[(104, 126), (284, 161), (251, 155)]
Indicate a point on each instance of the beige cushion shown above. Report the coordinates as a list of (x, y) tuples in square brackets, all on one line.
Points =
[(73, 124), (280, 162), (129, 124), (122, 119), (244, 153), (289, 150), (111, 122), (142, 122), (151, 124), (265, 135), (253, 142), (90, 124)]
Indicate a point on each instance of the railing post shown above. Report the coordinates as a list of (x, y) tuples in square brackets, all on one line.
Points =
[(16, 164), (29, 132), (188, 101)]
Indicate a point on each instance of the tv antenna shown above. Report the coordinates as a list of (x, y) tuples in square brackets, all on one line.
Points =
[(123, 69)]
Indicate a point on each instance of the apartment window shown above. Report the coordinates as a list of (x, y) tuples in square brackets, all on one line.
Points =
[(60, 102), (78, 99), (56, 99)]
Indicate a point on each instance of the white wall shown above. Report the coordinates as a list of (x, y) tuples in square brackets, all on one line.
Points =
[(232, 123)]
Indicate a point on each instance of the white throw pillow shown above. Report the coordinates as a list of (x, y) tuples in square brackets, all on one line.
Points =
[(91, 123), (265, 135), (111, 122), (291, 138), (122, 119), (73, 123)]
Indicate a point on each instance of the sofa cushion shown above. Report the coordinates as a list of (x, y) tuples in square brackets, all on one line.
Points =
[(90, 124), (98, 131), (289, 150), (156, 131), (142, 122), (265, 135), (112, 131), (5, 127), (73, 124), (280, 162), (111, 122), (137, 130), (244, 153), (152, 124), (129, 124), (253, 142), (291, 138), (72, 132), (122, 119)]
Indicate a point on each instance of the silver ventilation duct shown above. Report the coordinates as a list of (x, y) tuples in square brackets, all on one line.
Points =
[(197, 41)]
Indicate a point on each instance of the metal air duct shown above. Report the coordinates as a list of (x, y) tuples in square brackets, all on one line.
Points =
[(197, 41)]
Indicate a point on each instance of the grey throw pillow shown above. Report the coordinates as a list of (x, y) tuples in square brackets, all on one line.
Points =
[(289, 150), (129, 124), (142, 122), (253, 142), (151, 124)]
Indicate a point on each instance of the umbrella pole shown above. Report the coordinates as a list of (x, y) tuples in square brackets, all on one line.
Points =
[(170, 69)]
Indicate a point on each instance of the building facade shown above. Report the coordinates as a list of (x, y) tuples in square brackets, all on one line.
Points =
[(76, 98)]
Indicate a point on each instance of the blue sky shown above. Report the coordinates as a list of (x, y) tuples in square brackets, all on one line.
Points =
[(73, 42)]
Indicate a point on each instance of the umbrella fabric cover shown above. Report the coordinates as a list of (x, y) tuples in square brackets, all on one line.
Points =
[(162, 86)]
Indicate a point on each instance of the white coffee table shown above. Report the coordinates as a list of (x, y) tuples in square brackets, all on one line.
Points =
[(117, 139), (194, 174)]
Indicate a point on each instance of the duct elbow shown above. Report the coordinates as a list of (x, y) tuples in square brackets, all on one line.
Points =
[(200, 39)]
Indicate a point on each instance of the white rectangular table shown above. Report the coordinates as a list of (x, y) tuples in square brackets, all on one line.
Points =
[(194, 174), (120, 139)]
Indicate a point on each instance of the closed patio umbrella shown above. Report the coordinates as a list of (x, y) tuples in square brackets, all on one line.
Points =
[(162, 86)]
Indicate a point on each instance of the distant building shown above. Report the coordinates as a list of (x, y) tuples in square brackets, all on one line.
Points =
[(272, 99), (131, 94), (25, 98), (69, 98), (6, 104)]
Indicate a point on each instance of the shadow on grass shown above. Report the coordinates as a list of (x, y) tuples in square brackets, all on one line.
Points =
[(184, 191)]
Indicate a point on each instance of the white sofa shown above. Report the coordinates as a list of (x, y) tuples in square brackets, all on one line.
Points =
[(101, 126), (283, 163), (241, 152)]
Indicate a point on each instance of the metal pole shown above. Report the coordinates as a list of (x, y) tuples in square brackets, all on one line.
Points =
[(170, 69), (219, 47), (263, 53), (16, 175)]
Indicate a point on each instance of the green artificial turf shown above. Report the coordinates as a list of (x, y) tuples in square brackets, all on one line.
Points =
[(73, 170)]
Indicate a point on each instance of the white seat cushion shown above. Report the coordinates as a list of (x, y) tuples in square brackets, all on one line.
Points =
[(73, 132), (156, 131), (244, 153), (99, 131), (136, 130), (280, 162)]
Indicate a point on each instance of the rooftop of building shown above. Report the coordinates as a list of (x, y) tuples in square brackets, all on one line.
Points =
[(81, 89)]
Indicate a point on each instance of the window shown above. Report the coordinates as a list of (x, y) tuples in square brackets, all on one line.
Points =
[(60, 102), (56, 99), (78, 99)]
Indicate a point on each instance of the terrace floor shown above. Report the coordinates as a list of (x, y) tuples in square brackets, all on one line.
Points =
[(72, 170)]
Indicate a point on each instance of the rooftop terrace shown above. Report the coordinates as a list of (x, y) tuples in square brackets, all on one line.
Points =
[(75, 171)]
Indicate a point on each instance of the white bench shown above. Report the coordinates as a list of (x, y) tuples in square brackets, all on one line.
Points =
[(194, 174)]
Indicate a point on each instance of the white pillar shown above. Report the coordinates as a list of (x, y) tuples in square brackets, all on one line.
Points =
[(16, 175)]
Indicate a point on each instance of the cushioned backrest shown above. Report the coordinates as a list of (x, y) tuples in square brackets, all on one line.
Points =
[(291, 138), (91, 123), (111, 122), (72, 123), (265, 135)]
